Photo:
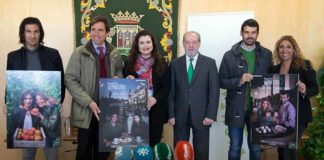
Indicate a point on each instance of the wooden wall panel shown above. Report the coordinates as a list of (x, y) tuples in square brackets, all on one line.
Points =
[(314, 40), (58, 23), (11, 15), (301, 19)]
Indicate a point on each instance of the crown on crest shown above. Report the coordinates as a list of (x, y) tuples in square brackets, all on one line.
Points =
[(126, 18)]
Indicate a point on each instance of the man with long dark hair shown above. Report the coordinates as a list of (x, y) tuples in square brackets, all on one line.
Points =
[(33, 55)]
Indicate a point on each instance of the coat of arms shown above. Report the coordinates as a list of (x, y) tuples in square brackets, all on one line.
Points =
[(126, 29)]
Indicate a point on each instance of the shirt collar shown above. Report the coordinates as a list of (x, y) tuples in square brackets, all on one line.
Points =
[(194, 57), (97, 49), (243, 46)]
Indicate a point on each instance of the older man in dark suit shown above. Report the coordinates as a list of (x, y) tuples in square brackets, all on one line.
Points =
[(194, 95)]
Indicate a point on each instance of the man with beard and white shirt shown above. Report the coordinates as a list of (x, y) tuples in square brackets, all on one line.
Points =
[(239, 64), (194, 94)]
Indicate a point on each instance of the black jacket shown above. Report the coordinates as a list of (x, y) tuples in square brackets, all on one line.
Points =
[(230, 72), (308, 77), (19, 118), (161, 86), (49, 58)]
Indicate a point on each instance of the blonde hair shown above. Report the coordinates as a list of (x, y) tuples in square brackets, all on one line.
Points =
[(298, 58)]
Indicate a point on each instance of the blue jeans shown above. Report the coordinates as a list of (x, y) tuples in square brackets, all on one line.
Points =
[(236, 139)]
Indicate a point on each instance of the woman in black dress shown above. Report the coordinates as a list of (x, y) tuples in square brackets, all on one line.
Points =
[(145, 62)]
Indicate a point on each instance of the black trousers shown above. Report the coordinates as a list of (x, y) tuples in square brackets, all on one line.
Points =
[(200, 138), (88, 143), (156, 131)]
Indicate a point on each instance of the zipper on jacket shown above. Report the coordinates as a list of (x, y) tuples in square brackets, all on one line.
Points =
[(247, 83)]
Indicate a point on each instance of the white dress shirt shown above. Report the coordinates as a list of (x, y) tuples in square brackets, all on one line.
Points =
[(194, 61)]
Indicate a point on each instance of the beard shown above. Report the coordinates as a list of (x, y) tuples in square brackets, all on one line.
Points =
[(249, 41), (191, 54)]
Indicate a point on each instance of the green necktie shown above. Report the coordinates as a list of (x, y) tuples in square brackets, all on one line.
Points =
[(190, 71)]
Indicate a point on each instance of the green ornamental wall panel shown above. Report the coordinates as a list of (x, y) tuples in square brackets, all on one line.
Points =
[(126, 18)]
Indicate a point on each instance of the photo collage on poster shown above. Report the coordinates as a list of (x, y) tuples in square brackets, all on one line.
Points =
[(274, 116), (124, 118)]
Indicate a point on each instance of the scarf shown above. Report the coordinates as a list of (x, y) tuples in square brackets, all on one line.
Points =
[(143, 68)]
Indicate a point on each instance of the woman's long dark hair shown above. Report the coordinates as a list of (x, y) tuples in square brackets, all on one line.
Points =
[(158, 66), (24, 94)]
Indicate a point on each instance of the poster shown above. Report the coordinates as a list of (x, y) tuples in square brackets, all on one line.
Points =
[(124, 119), (274, 116), (33, 109)]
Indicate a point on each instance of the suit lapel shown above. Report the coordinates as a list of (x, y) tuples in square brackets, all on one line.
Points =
[(197, 68), (183, 68)]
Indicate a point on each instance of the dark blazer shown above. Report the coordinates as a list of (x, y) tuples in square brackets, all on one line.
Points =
[(19, 119), (308, 77), (161, 87), (230, 72), (201, 95), (49, 58)]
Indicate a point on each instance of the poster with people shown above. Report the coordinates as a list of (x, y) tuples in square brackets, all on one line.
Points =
[(33, 109), (124, 117), (274, 116)]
